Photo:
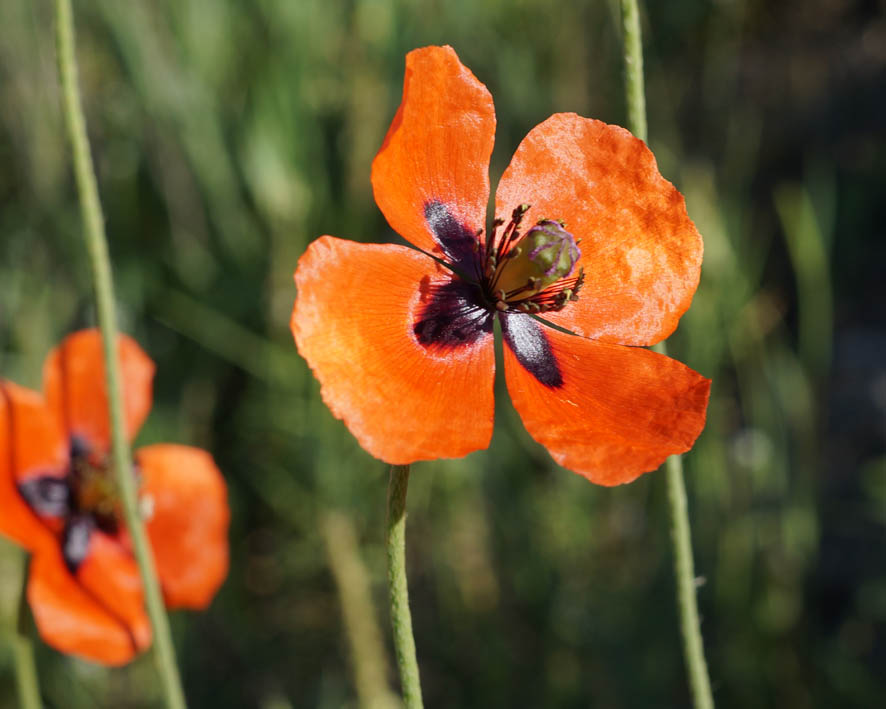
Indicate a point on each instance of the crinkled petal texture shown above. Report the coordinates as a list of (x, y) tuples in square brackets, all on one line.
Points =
[(640, 251), (31, 446), (355, 322), (431, 176), (188, 523), (73, 620), (606, 411), (74, 382)]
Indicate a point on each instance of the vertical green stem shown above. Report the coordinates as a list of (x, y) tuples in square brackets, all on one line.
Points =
[(96, 243), (23, 652), (684, 566), (635, 92), (684, 570), (398, 594)]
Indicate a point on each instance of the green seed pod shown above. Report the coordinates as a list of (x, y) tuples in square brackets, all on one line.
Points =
[(546, 254)]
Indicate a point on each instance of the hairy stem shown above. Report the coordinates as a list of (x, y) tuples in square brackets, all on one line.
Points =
[(97, 246), (681, 536), (398, 593), (684, 570)]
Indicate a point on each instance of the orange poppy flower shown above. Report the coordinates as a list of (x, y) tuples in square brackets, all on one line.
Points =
[(588, 237), (58, 499)]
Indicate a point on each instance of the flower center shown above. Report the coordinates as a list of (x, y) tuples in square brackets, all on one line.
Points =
[(93, 489), (532, 272), (83, 499), (86, 490)]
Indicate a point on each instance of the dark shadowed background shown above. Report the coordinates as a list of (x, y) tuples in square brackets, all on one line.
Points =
[(228, 135)]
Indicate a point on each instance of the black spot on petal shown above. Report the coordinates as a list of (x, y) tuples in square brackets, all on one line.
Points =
[(452, 316), (75, 543), (456, 239), (530, 345), (47, 495)]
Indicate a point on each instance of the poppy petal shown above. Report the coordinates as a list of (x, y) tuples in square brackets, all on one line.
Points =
[(32, 449), (188, 522), (403, 357), (109, 573), (69, 618), (606, 411), (640, 251), (74, 382), (431, 176)]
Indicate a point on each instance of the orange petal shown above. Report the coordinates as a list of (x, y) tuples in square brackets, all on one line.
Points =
[(109, 573), (360, 315), (431, 176), (74, 382), (188, 524), (606, 411), (640, 251), (31, 447), (71, 619)]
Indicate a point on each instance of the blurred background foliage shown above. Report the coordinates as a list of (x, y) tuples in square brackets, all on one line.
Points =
[(228, 135)]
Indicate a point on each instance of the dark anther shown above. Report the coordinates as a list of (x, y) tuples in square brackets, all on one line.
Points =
[(80, 447)]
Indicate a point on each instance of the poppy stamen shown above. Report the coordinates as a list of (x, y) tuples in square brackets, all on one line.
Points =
[(530, 273), (94, 490)]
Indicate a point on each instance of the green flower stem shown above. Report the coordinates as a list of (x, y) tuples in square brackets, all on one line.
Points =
[(684, 566), (635, 92), (398, 594), (684, 570), (97, 246), (23, 651)]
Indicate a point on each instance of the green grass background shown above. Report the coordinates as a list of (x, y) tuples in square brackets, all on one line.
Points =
[(227, 135)]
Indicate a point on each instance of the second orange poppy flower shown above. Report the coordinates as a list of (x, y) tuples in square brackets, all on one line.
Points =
[(58, 499), (589, 237)]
